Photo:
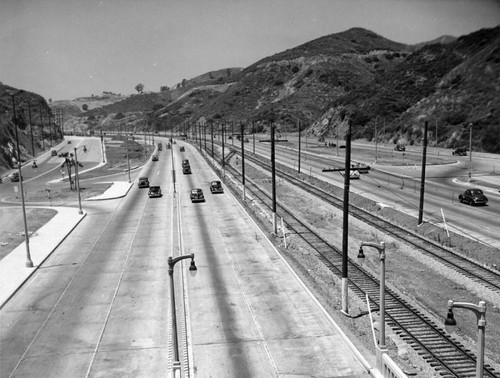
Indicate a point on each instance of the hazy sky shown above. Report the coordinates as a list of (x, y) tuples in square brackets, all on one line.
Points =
[(64, 49)]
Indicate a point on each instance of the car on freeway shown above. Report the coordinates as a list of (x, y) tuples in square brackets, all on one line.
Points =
[(186, 170), (143, 182), (154, 191), (182, 149), (155, 158), (399, 147), (473, 197), (69, 142), (53, 153), (461, 151), (216, 187), (197, 195), (185, 163)]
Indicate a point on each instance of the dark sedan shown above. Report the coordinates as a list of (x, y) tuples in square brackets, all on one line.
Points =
[(473, 197)]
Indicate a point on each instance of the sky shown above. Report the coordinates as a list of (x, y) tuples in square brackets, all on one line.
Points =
[(64, 49)]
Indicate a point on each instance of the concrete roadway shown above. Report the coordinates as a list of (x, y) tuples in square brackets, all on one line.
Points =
[(99, 305)]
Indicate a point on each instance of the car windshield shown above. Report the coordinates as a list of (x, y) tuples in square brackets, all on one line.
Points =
[(476, 192), (154, 188)]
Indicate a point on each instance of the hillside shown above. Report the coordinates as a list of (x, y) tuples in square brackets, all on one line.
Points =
[(34, 136), (368, 79)]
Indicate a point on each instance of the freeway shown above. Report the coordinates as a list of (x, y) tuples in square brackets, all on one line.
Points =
[(99, 305), (398, 186)]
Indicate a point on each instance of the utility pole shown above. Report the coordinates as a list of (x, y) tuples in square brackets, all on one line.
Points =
[(223, 159), (41, 124), (470, 151), (376, 149), (253, 133), (273, 175), (345, 226), (437, 147), (243, 162), (299, 150), (422, 179), (31, 130), (212, 137)]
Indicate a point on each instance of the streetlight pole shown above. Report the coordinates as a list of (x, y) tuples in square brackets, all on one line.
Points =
[(171, 263), (480, 311), (80, 211), (381, 251), (29, 262)]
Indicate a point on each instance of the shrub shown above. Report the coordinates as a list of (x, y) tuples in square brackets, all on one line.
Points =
[(157, 107)]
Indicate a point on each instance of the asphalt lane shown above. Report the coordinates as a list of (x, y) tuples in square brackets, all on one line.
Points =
[(250, 316), (98, 304), (399, 187)]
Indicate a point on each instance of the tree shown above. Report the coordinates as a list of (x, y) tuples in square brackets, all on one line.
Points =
[(139, 88), (85, 107)]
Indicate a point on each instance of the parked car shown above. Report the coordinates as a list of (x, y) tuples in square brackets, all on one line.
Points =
[(182, 149), (143, 182), (354, 174), (197, 195), (155, 158), (53, 153), (461, 151), (473, 197), (216, 187), (69, 142), (399, 147), (154, 191)]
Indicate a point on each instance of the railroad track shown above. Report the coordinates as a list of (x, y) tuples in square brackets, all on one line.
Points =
[(468, 268), (445, 354)]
